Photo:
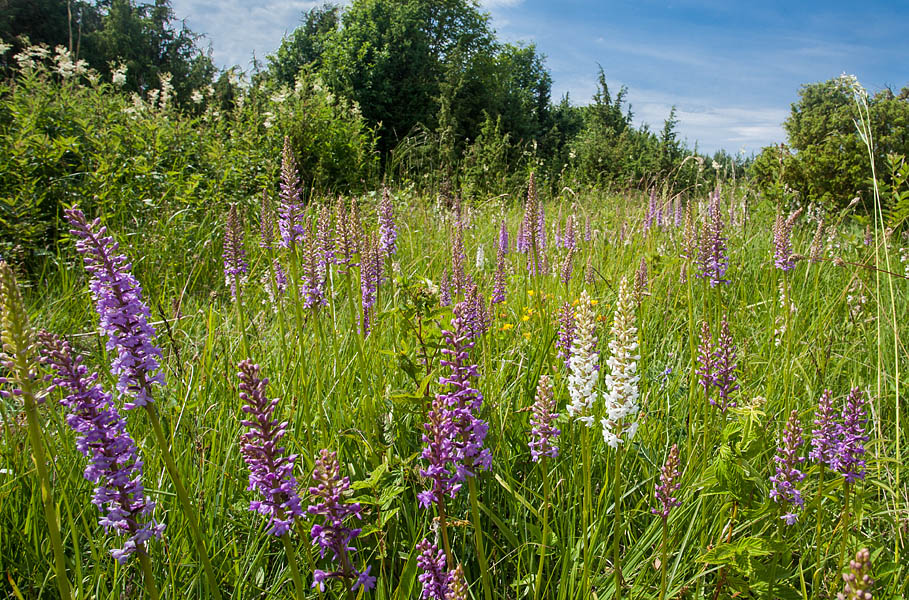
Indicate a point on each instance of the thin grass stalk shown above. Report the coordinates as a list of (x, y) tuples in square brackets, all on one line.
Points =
[(787, 373), (544, 537), (864, 126), (617, 537), (820, 496), (847, 523), (50, 511), (585, 510), (443, 529), (17, 344), (692, 353), (478, 537), (185, 503), (664, 557)]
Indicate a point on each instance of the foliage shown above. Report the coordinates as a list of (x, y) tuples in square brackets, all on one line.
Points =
[(826, 161), (75, 140), (304, 47), (146, 37), (366, 398)]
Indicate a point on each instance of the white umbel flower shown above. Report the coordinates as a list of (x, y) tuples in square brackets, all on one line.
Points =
[(582, 378), (622, 380)]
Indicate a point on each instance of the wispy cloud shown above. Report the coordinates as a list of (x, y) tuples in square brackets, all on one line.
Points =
[(238, 29)]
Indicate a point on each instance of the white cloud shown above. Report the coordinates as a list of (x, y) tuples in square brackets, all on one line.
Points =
[(239, 28), (493, 4), (712, 126)]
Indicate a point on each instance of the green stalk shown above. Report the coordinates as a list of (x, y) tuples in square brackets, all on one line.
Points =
[(17, 348), (478, 537), (292, 563), (443, 527), (693, 351), (787, 315), (147, 575), (847, 517), (241, 321), (664, 557), (50, 511), (820, 496), (545, 536), (616, 555), (585, 512), (188, 510)]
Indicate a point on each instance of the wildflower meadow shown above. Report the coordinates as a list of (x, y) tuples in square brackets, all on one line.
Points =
[(283, 391)]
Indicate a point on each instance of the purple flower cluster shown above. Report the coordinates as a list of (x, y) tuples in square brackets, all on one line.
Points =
[(713, 259), (669, 484), (325, 243), (498, 286), (332, 535), (717, 365), (434, 578), (387, 227), (290, 215), (270, 472), (858, 582), (641, 283), (566, 333), (235, 266), (314, 271), (266, 223), (477, 319), (102, 438), (502, 242), (123, 316), (454, 433), (445, 289), (278, 286), (782, 248), (542, 433), (567, 268), (347, 235), (569, 237), (371, 278), (787, 477), (852, 437), (824, 439), (651, 213), (457, 588), (725, 365), (841, 445), (532, 233)]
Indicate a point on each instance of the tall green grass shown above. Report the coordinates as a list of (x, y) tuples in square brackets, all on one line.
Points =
[(365, 398)]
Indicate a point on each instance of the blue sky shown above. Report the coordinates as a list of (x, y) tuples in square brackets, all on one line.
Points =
[(731, 68)]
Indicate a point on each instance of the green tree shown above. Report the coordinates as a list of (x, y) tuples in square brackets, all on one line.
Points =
[(392, 59), (828, 162), (305, 45), (147, 38)]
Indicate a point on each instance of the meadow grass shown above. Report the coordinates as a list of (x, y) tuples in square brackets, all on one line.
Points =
[(366, 398)]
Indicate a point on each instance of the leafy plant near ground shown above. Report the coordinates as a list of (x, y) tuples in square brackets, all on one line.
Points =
[(73, 137)]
